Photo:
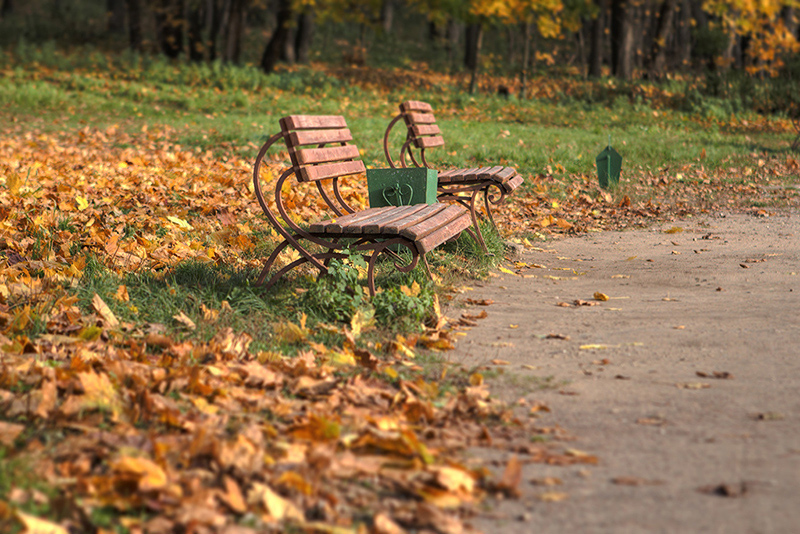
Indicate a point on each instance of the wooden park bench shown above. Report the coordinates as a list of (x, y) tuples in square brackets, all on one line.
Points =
[(459, 185), (321, 154)]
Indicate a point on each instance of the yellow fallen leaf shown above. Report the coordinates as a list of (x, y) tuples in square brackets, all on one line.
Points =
[(81, 202), (500, 362), (600, 296), (553, 496), (34, 525), (105, 312), (505, 270), (593, 346), (184, 320), (180, 222), (674, 230), (513, 326)]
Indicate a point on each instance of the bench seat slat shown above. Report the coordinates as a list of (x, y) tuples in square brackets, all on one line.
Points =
[(443, 233), (512, 184), (375, 223), (334, 225), (312, 122), (314, 173), (308, 156), (433, 222), (320, 137)]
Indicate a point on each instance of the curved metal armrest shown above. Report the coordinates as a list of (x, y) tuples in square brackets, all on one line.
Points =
[(389, 159)]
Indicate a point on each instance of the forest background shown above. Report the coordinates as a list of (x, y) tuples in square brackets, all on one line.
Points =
[(147, 386)]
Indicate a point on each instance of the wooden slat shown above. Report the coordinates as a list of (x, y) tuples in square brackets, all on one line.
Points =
[(443, 233), (330, 170), (429, 142), (491, 172), (433, 222), (429, 210), (420, 118), (312, 122), (447, 173), (319, 137), (377, 226), (415, 105), (425, 129), (505, 174), (512, 184), (335, 225), (308, 156)]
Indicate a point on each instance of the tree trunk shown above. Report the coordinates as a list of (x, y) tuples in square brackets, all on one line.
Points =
[(454, 30), (387, 16), (657, 61), (472, 56), (218, 21), (527, 30), (7, 9), (277, 42), (622, 39), (196, 22), (169, 26), (304, 36), (115, 11), (233, 33), (598, 38), (135, 24)]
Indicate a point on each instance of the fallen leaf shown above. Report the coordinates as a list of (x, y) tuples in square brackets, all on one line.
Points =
[(635, 481), (724, 375), (557, 336), (725, 490), (553, 496), (184, 320), (600, 296), (693, 385), (105, 312)]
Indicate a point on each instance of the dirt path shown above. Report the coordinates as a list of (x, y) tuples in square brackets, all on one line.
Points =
[(717, 295)]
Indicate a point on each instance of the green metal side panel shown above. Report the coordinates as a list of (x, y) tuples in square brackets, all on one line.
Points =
[(401, 187), (609, 166)]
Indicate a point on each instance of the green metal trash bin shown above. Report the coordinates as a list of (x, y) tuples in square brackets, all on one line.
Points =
[(609, 165), (401, 187)]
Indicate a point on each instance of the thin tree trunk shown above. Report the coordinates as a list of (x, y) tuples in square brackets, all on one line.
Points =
[(196, 21), (218, 21), (7, 9), (622, 39), (279, 37), (472, 55), (304, 36), (527, 30), (387, 16), (657, 61), (169, 24), (598, 38), (115, 11), (135, 24), (233, 41)]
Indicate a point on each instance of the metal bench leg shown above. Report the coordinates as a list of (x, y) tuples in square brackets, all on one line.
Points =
[(478, 233)]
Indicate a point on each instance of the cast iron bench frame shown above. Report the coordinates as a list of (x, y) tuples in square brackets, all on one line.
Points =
[(459, 185), (321, 153)]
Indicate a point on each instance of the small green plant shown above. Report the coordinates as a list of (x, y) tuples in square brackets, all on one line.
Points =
[(403, 307), (337, 295)]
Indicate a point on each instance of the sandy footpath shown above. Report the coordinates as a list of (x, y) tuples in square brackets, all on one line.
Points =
[(685, 384)]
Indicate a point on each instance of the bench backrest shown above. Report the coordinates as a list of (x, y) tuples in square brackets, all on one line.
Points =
[(308, 137), (421, 124)]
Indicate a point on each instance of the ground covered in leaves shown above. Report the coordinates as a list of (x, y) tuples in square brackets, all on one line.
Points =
[(113, 424)]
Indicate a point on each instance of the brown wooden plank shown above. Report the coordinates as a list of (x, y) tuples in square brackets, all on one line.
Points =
[(307, 156), (313, 173), (463, 175), (425, 129), (428, 211), (377, 226), (312, 122), (415, 105), (512, 184), (420, 118), (335, 225), (429, 142), (491, 172), (319, 137), (505, 174), (433, 222), (376, 220), (443, 233)]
